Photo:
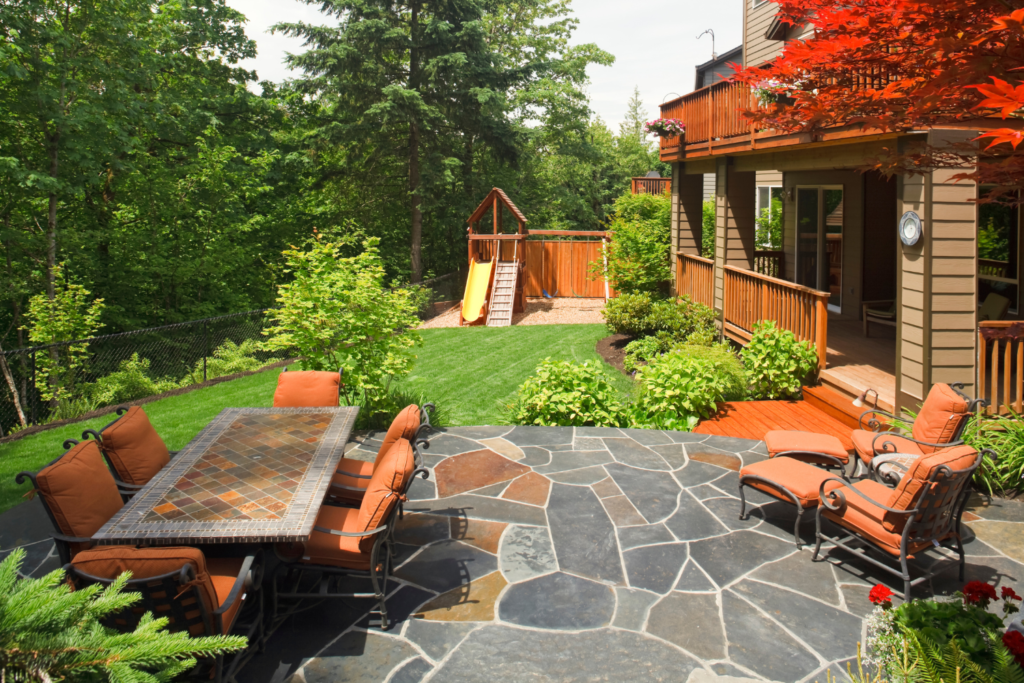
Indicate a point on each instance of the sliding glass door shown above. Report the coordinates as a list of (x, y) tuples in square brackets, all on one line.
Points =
[(819, 241)]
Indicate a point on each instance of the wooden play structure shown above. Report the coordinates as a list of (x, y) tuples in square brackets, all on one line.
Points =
[(505, 268)]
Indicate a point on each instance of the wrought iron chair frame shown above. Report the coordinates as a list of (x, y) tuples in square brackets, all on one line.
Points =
[(175, 584), (382, 556), (935, 528)]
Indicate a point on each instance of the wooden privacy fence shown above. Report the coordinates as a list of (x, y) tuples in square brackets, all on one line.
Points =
[(750, 297), (696, 277), (561, 266), (1001, 365)]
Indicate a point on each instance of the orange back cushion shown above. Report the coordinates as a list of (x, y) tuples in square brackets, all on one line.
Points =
[(905, 495), (80, 491), (940, 416), (404, 426), (135, 449), (109, 562), (386, 485), (307, 389)]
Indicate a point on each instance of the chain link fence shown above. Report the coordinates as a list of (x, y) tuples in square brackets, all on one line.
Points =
[(87, 374)]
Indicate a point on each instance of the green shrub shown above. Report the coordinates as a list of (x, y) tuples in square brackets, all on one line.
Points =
[(674, 391), (130, 381), (734, 379), (707, 241), (776, 364), (227, 359), (636, 258), (49, 632), (384, 411), (1004, 434), (644, 349), (641, 314), (565, 393)]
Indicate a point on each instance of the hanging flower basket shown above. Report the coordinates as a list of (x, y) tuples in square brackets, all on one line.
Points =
[(666, 128), (768, 93)]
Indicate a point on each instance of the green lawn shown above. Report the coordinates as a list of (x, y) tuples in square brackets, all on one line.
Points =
[(470, 371)]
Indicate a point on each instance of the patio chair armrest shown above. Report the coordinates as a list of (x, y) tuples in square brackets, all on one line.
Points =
[(353, 476), (892, 459), (349, 534), (238, 586), (838, 493), (72, 539), (873, 424), (836, 462), (874, 448)]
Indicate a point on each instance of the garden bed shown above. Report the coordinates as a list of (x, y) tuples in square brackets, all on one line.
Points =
[(613, 350)]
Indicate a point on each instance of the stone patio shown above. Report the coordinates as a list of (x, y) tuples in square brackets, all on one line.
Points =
[(592, 554)]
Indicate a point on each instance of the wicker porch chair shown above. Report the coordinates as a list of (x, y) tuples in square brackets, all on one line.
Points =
[(79, 495), (353, 542), (939, 424), (200, 595), (308, 389), (412, 424), (923, 511), (132, 447)]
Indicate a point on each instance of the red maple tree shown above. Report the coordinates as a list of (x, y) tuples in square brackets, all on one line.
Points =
[(903, 65)]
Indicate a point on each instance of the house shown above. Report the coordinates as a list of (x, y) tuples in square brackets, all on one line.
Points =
[(841, 249)]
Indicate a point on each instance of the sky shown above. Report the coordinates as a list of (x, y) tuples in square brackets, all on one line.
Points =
[(654, 42)]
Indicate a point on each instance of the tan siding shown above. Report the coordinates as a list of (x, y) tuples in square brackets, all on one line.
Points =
[(756, 47)]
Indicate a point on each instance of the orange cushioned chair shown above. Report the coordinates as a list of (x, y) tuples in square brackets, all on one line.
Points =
[(787, 478), (352, 541), (923, 510), (307, 389), (200, 595), (939, 424), (79, 494), (133, 448), (350, 481)]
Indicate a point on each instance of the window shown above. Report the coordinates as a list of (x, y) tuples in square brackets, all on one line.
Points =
[(998, 253), (769, 218)]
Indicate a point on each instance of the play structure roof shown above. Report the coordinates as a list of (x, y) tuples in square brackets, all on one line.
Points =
[(489, 201)]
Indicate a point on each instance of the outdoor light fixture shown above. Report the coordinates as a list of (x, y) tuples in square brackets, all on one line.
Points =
[(860, 400), (910, 228)]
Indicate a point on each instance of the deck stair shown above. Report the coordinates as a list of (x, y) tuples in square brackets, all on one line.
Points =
[(499, 309)]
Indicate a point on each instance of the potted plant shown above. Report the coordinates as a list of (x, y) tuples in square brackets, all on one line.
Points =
[(667, 128), (768, 93)]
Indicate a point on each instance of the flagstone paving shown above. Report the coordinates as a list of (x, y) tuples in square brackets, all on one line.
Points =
[(592, 554)]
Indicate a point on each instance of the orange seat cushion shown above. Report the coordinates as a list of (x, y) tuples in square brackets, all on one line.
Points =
[(80, 491), (134, 448), (941, 416), (404, 426), (332, 550), (802, 479), (307, 389), (389, 480), (783, 441), (351, 466), (864, 439), (214, 577), (867, 519), (913, 483)]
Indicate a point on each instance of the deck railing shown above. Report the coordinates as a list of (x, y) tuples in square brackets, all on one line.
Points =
[(696, 277), (711, 113), (651, 185), (771, 263), (1001, 365), (750, 297)]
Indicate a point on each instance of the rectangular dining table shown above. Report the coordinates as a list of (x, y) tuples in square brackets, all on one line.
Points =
[(253, 475)]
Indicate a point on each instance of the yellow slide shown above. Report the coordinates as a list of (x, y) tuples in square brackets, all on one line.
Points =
[(476, 290)]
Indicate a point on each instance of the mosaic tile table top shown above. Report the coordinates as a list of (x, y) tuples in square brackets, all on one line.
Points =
[(252, 475)]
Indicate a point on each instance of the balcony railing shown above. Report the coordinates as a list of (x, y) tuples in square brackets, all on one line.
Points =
[(696, 278), (711, 113), (651, 185), (771, 263), (1001, 365)]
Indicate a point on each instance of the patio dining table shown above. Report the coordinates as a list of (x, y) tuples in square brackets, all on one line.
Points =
[(253, 475)]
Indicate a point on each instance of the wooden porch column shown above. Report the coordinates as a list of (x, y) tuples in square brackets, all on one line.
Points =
[(735, 208), (687, 217), (938, 287)]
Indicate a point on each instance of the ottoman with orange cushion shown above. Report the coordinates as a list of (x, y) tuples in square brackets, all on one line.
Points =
[(787, 479), (820, 449)]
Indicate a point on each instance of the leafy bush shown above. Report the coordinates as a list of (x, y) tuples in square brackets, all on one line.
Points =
[(637, 255), (396, 399), (130, 381), (50, 632), (707, 242), (730, 368), (338, 312), (1004, 434), (644, 349), (228, 359), (675, 390), (564, 393), (776, 363), (768, 226), (640, 314)]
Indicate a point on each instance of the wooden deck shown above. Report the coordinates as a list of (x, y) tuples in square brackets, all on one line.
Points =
[(856, 362), (754, 419)]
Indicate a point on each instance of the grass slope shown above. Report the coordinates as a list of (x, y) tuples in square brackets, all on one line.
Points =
[(469, 371)]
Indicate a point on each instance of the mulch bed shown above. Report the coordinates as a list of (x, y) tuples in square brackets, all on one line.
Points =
[(35, 429), (613, 350)]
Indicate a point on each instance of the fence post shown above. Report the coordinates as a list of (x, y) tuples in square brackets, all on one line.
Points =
[(206, 347), (34, 392)]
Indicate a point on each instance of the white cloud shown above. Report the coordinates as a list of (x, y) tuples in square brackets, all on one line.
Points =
[(654, 43)]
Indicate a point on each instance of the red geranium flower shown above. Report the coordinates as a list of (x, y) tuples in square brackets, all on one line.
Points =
[(1014, 642), (979, 593), (1008, 594), (880, 595)]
